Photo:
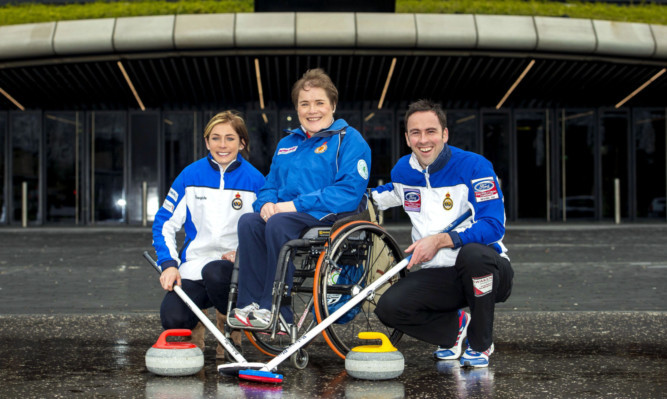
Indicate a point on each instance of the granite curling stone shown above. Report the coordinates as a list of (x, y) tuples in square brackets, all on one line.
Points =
[(374, 362), (174, 358)]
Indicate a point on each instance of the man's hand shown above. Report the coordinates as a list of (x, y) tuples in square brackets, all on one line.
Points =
[(425, 249), (168, 277)]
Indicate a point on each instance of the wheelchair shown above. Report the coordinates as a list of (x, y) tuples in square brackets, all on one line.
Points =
[(326, 267)]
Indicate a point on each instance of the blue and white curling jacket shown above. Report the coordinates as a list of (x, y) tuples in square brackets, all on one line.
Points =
[(208, 201), (325, 175), (433, 198)]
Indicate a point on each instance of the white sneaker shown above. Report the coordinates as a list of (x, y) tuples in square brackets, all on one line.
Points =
[(260, 318), (455, 351), (239, 317)]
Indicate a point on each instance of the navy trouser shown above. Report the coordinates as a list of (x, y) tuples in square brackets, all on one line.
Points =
[(212, 290), (259, 247), (425, 303)]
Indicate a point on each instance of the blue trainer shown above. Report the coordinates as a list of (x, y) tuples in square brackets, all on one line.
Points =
[(473, 358), (455, 351)]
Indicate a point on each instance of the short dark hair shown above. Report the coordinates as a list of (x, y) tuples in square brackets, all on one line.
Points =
[(238, 124), (315, 78), (424, 106)]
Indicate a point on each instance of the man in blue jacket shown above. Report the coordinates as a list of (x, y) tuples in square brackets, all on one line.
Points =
[(319, 173), (467, 267)]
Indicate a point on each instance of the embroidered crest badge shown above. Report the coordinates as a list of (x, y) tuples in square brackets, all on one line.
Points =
[(237, 202)]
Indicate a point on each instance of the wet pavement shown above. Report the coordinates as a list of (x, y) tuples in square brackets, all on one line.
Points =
[(587, 319)]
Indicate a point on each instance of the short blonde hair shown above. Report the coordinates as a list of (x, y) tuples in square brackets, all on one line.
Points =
[(238, 124), (315, 78)]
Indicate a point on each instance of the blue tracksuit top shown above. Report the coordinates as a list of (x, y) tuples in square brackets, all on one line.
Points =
[(322, 175), (434, 197), (208, 202)]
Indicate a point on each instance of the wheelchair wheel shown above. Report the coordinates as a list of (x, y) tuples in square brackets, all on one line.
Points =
[(358, 253)]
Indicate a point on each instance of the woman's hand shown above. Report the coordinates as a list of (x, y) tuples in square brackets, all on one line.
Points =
[(285, 207), (230, 256), (268, 210), (168, 277)]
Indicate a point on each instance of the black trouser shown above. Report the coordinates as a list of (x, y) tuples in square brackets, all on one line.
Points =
[(212, 290), (425, 303)]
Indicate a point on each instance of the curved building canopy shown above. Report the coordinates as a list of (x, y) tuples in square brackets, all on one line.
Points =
[(378, 59)]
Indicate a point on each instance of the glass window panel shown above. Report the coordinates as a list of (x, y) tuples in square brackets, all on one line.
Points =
[(379, 134), (578, 147), (614, 157), (262, 131), (3, 150), (144, 129), (353, 118), (463, 127), (108, 159), (26, 134), (289, 120), (650, 133), (180, 135), (531, 139), (62, 137)]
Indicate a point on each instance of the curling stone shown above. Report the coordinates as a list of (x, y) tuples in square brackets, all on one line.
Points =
[(374, 362), (174, 358)]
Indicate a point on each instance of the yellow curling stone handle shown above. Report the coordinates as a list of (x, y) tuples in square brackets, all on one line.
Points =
[(386, 345)]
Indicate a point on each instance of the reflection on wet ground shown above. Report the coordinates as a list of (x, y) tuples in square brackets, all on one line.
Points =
[(586, 319), (104, 357)]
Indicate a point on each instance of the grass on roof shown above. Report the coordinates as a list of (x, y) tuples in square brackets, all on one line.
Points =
[(642, 11)]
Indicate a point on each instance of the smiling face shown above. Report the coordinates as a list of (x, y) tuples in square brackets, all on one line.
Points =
[(314, 109), (425, 136), (224, 144)]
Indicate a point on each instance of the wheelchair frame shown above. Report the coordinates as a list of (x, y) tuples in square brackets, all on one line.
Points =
[(319, 252)]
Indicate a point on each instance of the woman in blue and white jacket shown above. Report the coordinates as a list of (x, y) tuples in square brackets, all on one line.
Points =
[(207, 198), (318, 173)]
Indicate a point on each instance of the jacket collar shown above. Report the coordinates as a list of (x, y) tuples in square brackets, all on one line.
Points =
[(231, 167), (336, 127), (439, 163)]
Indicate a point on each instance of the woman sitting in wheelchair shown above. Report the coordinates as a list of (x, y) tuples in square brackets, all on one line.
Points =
[(319, 173)]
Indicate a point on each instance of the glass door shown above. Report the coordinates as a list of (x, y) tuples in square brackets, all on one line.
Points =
[(496, 148), (143, 168), (3, 168), (532, 164), (614, 148), (26, 142), (650, 133), (578, 168), (63, 134), (107, 142)]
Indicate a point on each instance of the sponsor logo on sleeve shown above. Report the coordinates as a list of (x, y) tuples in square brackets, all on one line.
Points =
[(284, 151), (237, 202), (173, 194), (168, 206), (447, 203), (412, 200), (362, 168), (482, 285), (321, 148), (485, 189)]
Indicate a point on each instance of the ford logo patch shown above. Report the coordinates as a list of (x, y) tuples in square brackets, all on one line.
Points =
[(483, 186), (412, 197)]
